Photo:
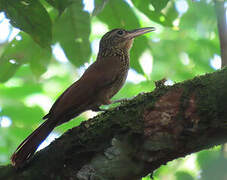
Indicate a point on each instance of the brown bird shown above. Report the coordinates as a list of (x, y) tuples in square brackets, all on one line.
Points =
[(99, 83)]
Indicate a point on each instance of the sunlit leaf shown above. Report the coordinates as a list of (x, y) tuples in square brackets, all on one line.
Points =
[(152, 9), (72, 30), (215, 170), (99, 5), (183, 175), (194, 21), (7, 69), (207, 157), (21, 52), (31, 17), (39, 60), (159, 5), (19, 92), (130, 89), (23, 115)]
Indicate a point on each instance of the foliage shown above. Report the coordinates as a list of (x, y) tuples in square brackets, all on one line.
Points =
[(32, 76)]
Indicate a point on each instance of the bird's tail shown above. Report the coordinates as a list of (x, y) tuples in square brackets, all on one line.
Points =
[(28, 147)]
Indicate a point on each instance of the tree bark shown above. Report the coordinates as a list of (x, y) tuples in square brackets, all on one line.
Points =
[(134, 139)]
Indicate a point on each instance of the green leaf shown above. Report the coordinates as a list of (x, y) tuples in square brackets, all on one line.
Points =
[(39, 60), (19, 92), (31, 17), (213, 165), (60, 4), (206, 157), (21, 114), (72, 30), (159, 5), (7, 69), (183, 175), (139, 46), (117, 14), (171, 13), (99, 5), (21, 52), (162, 17), (204, 21), (131, 89)]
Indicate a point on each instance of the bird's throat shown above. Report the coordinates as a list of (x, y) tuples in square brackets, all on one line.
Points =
[(113, 51)]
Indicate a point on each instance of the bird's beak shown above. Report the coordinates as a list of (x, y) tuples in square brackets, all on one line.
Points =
[(137, 32)]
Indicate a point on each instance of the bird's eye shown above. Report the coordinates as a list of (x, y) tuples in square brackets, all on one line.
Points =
[(120, 32)]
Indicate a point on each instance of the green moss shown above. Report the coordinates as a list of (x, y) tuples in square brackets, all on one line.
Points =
[(211, 95)]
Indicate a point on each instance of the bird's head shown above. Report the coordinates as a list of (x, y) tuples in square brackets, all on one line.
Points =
[(121, 38)]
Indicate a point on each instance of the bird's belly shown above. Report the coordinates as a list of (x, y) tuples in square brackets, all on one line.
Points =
[(109, 92), (118, 85)]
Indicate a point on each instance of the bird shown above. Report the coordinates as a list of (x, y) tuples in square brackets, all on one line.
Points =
[(98, 84)]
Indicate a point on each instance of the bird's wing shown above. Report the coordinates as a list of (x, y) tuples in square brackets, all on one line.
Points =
[(98, 76)]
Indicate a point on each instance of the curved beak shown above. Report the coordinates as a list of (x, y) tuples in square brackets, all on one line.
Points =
[(137, 32)]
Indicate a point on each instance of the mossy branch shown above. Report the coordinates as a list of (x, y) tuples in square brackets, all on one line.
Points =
[(137, 137)]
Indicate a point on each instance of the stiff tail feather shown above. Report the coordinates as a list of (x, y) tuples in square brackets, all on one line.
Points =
[(28, 147)]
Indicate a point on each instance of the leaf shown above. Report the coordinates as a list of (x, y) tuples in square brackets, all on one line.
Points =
[(212, 164), (159, 5), (31, 17), (130, 89), (99, 5), (207, 157), (171, 13), (21, 52), (21, 114), (72, 31), (39, 60), (204, 21), (60, 4), (20, 92), (183, 175), (7, 69), (139, 46), (162, 17), (116, 14)]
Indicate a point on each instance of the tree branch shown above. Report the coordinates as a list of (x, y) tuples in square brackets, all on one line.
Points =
[(137, 137), (222, 29)]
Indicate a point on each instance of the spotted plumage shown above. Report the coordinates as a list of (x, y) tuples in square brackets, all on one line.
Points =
[(99, 83)]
